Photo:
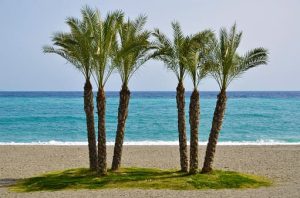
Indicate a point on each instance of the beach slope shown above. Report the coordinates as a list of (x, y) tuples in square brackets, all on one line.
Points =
[(279, 163)]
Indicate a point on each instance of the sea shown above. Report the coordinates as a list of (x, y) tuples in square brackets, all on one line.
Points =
[(58, 118)]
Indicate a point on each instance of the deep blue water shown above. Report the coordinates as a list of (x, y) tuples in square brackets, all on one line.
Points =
[(27, 117)]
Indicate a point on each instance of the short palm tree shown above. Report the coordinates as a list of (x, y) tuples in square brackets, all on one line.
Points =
[(226, 65), (131, 52), (104, 33), (197, 47), (172, 53), (76, 47)]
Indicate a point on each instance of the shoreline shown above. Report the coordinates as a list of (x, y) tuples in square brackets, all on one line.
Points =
[(281, 164), (153, 143)]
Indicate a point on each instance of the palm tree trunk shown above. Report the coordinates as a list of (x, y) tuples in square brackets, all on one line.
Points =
[(101, 103), (89, 112), (214, 132), (194, 114), (180, 99), (122, 116)]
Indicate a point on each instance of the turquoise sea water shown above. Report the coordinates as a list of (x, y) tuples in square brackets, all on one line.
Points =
[(58, 118)]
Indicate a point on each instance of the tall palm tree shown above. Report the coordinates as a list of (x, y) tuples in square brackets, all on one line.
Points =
[(76, 47), (197, 47), (226, 65), (172, 53), (131, 52), (104, 33)]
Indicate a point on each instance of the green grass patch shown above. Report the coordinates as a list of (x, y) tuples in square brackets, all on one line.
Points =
[(141, 178)]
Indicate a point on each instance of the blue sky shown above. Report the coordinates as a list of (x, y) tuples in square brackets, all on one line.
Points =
[(28, 25)]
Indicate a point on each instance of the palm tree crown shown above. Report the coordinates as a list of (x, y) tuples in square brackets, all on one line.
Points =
[(104, 34), (131, 51), (76, 46), (172, 53), (226, 64), (198, 47)]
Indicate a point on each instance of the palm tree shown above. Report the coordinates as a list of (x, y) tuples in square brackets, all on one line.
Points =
[(226, 65), (104, 36), (76, 47), (198, 46), (172, 53), (130, 54)]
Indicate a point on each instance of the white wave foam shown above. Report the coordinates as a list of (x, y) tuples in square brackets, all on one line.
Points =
[(157, 143)]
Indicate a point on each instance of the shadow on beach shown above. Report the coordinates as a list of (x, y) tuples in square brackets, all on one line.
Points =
[(5, 182)]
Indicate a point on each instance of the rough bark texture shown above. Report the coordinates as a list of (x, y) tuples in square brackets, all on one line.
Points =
[(214, 133), (180, 99), (194, 114), (101, 103), (122, 116), (89, 112)]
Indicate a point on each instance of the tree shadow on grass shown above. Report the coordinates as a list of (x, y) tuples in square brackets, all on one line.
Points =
[(143, 178), (84, 178)]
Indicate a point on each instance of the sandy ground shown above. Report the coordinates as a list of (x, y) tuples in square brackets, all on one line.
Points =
[(279, 163)]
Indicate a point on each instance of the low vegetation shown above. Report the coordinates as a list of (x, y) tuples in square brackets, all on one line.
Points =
[(141, 178)]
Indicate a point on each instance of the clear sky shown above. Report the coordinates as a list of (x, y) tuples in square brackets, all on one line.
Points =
[(28, 25)]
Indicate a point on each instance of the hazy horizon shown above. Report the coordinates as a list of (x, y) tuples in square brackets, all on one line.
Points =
[(28, 25), (135, 91)]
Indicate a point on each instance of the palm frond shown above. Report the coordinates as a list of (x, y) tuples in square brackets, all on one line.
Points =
[(62, 53), (163, 46), (177, 34), (253, 58)]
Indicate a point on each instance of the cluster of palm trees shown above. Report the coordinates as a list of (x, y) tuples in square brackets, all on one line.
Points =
[(97, 46)]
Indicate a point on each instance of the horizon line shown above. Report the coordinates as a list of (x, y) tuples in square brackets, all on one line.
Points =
[(150, 90)]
